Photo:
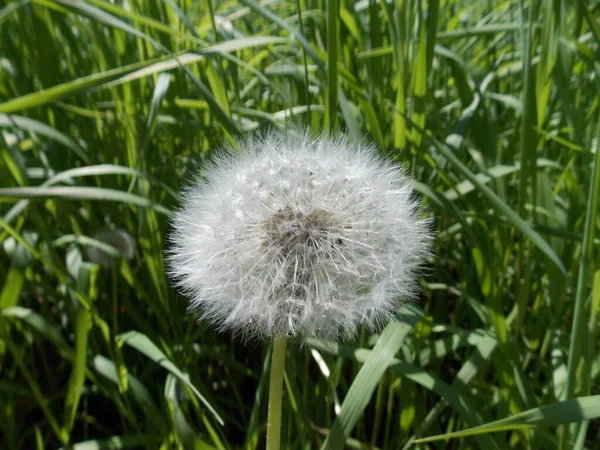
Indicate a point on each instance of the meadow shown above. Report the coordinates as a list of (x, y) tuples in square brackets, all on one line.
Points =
[(109, 108)]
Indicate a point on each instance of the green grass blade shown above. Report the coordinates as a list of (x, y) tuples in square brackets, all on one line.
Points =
[(415, 374), (11, 289), (101, 169), (485, 346), (11, 8), (42, 326), (364, 384), (419, 88), (493, 173), (83, 193), (106, 169), (86, 282), (138, 391), (500, 206), (578, 323), (264, 12), (99, 15), (71, 87), (34, 126), (160, 91), (140, 18), (34, 387), (117, 443), (60, 274), (134, 71), (332, 61), (574, 410), (432, 31), (144, 345), (527, 150)]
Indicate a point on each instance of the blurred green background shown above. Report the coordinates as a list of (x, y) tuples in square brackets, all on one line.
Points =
[(107, 108)]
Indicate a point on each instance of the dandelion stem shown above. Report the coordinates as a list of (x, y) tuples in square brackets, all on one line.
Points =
[(275, 392)]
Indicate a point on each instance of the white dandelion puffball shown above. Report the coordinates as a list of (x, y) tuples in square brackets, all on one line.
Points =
[(296, 236)]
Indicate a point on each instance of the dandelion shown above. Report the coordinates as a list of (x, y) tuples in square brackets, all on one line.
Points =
[(298, 236)]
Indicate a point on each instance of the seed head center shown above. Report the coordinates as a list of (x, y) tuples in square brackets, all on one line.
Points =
[(293, 231)]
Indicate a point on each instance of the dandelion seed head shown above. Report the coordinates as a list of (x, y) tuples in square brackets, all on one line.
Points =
[(297, 236)]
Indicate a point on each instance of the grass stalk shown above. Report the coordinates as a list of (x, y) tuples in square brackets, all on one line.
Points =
[(332, 69), (275, 394), (304, 62), (61, 434), (579, 323), (527, 148)]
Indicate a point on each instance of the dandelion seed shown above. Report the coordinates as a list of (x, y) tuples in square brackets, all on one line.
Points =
[(298, 236)]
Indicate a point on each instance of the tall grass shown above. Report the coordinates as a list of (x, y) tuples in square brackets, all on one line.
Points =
[(108, 108)]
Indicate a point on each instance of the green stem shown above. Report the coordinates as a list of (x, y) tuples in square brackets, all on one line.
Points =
[(35, 389), (578, 324), (582, 289), (275, 392), (332, 68)]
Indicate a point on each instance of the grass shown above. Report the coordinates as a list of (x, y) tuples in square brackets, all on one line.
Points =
[(108, 108)]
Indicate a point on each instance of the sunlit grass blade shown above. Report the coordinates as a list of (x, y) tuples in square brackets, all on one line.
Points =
[(71, 87), (11, 289), (141, 19), (575, 410), (419, 86), (135, 71), (417, 375), (264, 12), (160, 90), (332, 62), (86, 282), (99, 15), (42, 129), (485, 347), (144, 345), (581, 294), (56, 271), (42, 326), (365, 383), (135, 388), (512, 217), (465, 187), (527, 150), (82, 193), (11, 8)]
